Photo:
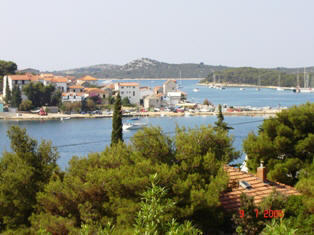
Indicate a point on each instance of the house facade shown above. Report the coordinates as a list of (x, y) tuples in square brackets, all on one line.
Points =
[(17, 80), (152, 101), (145, 91), (130, 90), (174, 98), (169, 86), (73, 96), (76, 89)]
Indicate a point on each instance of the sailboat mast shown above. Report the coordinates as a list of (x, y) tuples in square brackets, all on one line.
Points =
[(298, 79)]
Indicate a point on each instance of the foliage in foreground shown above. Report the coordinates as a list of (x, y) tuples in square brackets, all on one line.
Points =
[(23, 173), (285, 144), (107, 187)]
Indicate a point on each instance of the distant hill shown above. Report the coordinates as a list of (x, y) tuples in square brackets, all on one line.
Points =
[(29, 70), (149, 68), (144, 68)]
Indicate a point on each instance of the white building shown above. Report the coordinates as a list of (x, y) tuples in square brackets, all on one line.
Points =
[(145, 91), (152, 101), (169, 86), (130, 90), (73, 96), (61, 83), (174, 98), (17, 80)]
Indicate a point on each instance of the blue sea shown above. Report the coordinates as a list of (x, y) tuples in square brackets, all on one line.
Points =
[(78, 137)]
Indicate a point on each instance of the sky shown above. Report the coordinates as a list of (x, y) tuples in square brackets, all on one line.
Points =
[(63, 34)]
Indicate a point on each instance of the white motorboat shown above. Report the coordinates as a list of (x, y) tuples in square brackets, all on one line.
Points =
[(280, 89), (196, 90), (242, 89), (133, 126)]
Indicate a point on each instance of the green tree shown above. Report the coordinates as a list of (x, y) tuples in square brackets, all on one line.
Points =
[(117, 134), (16, 98), (6, 68), (7, 92), (153, 216), (56, 99), (23, 173), (38, 93), (107, 187), (26, 105), (220, 124), (90, 104), (285, 144), (206, 102), (125, 101)]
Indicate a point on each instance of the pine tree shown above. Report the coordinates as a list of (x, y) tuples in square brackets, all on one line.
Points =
[(16, 98), (7, 92), (220, 124), (117, 134)]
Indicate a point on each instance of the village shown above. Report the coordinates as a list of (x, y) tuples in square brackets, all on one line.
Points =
[(85, 97)]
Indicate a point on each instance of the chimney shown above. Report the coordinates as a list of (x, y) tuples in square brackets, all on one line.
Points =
[(261, 172)]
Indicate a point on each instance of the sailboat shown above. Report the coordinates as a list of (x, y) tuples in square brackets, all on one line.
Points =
[(279, 88), (258, 83), (180, 83)]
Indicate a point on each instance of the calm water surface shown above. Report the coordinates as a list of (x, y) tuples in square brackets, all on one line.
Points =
[(84, 136)]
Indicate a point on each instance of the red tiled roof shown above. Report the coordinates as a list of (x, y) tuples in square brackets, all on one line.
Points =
[(128, 84), (231, 200), (76, 86), (59, 79), (88, 78), (26, 77), (73, 94)]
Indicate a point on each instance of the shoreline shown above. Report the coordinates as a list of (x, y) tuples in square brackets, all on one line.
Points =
[(148, 79), (65, 117), (242, 85)]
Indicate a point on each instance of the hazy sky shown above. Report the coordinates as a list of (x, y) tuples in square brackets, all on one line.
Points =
[(61, 34)]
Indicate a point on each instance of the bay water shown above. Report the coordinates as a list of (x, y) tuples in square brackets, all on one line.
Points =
[(79, 137)]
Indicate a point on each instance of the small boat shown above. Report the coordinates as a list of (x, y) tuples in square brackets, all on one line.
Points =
[(258, 89), (280, 89), (187, 114), (133, 126), (242, 89), (196, 90)]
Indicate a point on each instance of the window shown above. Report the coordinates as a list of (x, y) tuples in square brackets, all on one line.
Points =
[(22, 81), (134, 87), (133, 93), (15, 82), (122, 92)]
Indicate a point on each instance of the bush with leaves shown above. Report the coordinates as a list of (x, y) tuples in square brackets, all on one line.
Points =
[(283, 227)]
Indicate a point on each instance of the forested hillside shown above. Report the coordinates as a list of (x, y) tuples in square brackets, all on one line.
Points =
[(254, 76)]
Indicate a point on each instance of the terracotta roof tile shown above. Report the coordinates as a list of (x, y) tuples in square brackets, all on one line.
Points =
[(88, 78), (231, 200), (128, 84), (76, 87)]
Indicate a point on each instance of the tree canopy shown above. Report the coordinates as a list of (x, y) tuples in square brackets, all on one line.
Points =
[(39, 94), (117, 130), (23, 173), (285, 144)]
